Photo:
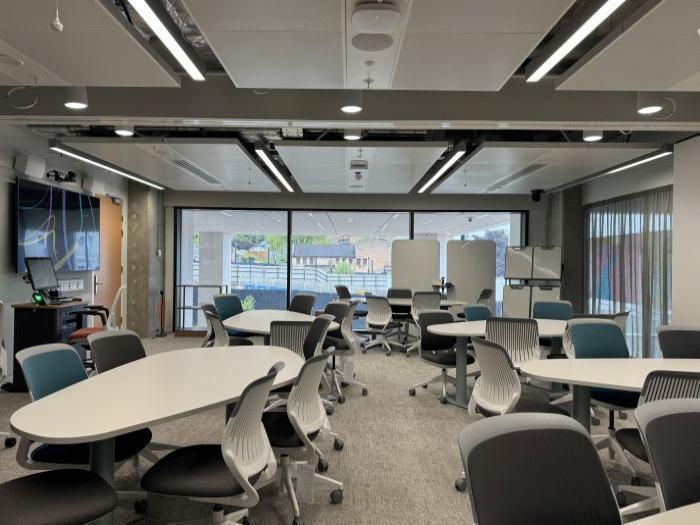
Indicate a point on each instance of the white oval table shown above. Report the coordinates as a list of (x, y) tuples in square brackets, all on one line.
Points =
[(687, 515), (615, 374), (463, 330), (159, 388), (406, 301), (258, 321)]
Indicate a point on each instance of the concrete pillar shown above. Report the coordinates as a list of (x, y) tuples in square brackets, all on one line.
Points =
[(572, 246)]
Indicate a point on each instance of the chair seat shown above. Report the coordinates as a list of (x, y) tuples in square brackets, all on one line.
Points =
[(618, 398), (338, 343), (83, 333), (239, 333), (56, 497), (378, 328), (447, 358), (631, 440), (541, 407), (281, 432), (239, 341), (198, 471), (125, 447)]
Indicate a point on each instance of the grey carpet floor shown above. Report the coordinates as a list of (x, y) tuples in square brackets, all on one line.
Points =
[(399, 462)]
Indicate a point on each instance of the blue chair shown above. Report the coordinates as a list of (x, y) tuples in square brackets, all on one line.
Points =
[(557, 310), (228, 305), (477, 312), (603, 339)]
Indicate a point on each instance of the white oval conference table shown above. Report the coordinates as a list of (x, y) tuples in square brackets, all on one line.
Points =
[(463, 330), (258, 321), (406, 301), (615, 374), (687, 515), (159, 388)]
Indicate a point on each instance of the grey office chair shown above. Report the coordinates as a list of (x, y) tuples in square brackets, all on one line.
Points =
[(558, 310), (422, 302), (337, 310), (671, 433), (380, 323), (401, 314), (10, 440), (345, 350), (302, 303), (525, 469), (679, 342), (216, 332), (343, 292)]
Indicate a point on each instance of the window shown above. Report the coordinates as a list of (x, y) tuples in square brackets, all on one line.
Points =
[(234, 251), (504, 228), (628, 263)]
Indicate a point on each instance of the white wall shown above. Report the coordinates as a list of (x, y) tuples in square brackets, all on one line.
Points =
[(655, 174), (686, 241)]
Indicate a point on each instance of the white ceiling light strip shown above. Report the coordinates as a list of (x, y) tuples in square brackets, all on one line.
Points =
[(87, 160), (458, 154), (607, 9), (639, 162), (271, 166), (158, 27)]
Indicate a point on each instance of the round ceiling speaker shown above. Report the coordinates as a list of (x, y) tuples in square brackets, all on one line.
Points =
[(376, 17), (372, 42)]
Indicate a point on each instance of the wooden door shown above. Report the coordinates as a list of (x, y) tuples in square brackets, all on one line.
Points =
[(108, 279)]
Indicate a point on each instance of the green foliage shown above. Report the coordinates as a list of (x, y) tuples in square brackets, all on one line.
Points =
[(312, 240), (343, 268), (248, 303)]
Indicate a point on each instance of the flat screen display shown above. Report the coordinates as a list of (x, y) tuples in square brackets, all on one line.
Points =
[(60, 224), (41, 273)]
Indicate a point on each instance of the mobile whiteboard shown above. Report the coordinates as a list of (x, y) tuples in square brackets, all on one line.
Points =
[(519, 262)]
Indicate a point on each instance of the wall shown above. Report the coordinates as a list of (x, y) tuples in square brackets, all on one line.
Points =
[(686, 242)]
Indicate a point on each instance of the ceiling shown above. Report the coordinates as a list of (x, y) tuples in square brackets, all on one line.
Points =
[(95, 48), (453, 224), (325, 168), (545, 165), (660, 52)]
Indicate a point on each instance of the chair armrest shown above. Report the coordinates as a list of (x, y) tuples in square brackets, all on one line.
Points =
[(98, 307), (93, 313)]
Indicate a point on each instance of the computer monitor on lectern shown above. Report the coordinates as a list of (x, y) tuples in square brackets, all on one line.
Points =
[(41, 273)]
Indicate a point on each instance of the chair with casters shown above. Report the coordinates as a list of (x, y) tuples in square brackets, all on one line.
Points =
[(226, 473), (345, 296), (483, 301), (302, 303), (9, 439), (48, 369), (216, 331), (535, 468), (345, 350), (108, 318), (337, 311), (399, 313), (476, 312), (422, 302), (292, 431), (600, 338), (557, 310), (56, 497), (679, 342), (670, 430), (519, 337), (290, 335), (227, 305), (381, 325), (659, 385)]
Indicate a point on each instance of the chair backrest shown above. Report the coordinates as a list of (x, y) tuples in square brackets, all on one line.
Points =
[(337, 310), (302, 303), (227, 305), (430, 342), (49, 368), (115, 348), (313, 342), (399, 293), (346, 330), (3, 351), (680, 342), (216, 332), (497, 389), (598, 339), (343, 292), (112, 317), (559, 310), (509, 460), (670, 429), (289, 335), (621, 319), (666, 384), (477, 312), (245, 446), (485, 296), (566, 342), (519, 337), (304, 406), (378, 311), (423, 301)]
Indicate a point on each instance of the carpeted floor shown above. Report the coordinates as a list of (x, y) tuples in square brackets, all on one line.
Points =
[(399, 463)]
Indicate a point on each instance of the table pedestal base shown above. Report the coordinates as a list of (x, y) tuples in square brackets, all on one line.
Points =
[(102, 464), (582, 406)]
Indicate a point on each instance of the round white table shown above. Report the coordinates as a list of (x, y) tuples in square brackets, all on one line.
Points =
[(143, 393), (687, 515), (258, 321), (462, 330), (406, 301), (615, 374)]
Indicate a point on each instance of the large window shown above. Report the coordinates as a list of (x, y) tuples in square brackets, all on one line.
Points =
[(505, 229), (628, 263), (351, 248)]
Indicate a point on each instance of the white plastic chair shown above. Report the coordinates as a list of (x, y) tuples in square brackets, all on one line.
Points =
[(380, 322), (344, 354), (519, 337)]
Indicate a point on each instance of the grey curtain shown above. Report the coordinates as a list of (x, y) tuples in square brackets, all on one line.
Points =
[(628, 263)]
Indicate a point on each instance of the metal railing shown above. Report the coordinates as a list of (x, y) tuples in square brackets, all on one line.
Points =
[(188, 299)]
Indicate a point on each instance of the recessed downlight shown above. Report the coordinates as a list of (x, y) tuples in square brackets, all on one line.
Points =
[(76, 98), (352, 102), (649, 103)]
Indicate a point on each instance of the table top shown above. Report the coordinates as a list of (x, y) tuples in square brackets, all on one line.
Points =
[(258, 321), (153, 390), (545, 327), (687, 515), (618, 374), (401, 301)]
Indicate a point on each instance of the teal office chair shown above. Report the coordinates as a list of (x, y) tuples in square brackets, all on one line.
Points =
[(602, 339), (557, 310), (228, 305), (477, 312)]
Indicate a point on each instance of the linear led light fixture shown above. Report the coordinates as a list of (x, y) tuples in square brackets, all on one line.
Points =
[(597, 18), (265, 157), (60, 148), (639, 162), (145, 11), (455, 155)]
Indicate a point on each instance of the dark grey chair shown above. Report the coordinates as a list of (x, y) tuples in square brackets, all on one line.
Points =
[(302, 303), (671, 432), (679, 342), (400, 313), (337, 310), (56, 497), (527, 469), (217, 335)]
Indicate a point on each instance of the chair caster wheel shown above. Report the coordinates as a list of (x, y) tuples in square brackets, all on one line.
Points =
[(461, 484), (141, 506), (388, 353), (337, 496), (247, 520), (622, 415), (411, 391), (364, 392), (322, 465), (329, 410), (341, 399), (636, 481), (443, 399), (364, 350), (10, 441), (297, 521), (338, 444)]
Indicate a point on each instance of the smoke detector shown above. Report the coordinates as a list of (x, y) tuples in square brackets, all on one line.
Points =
[(376, 18)]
